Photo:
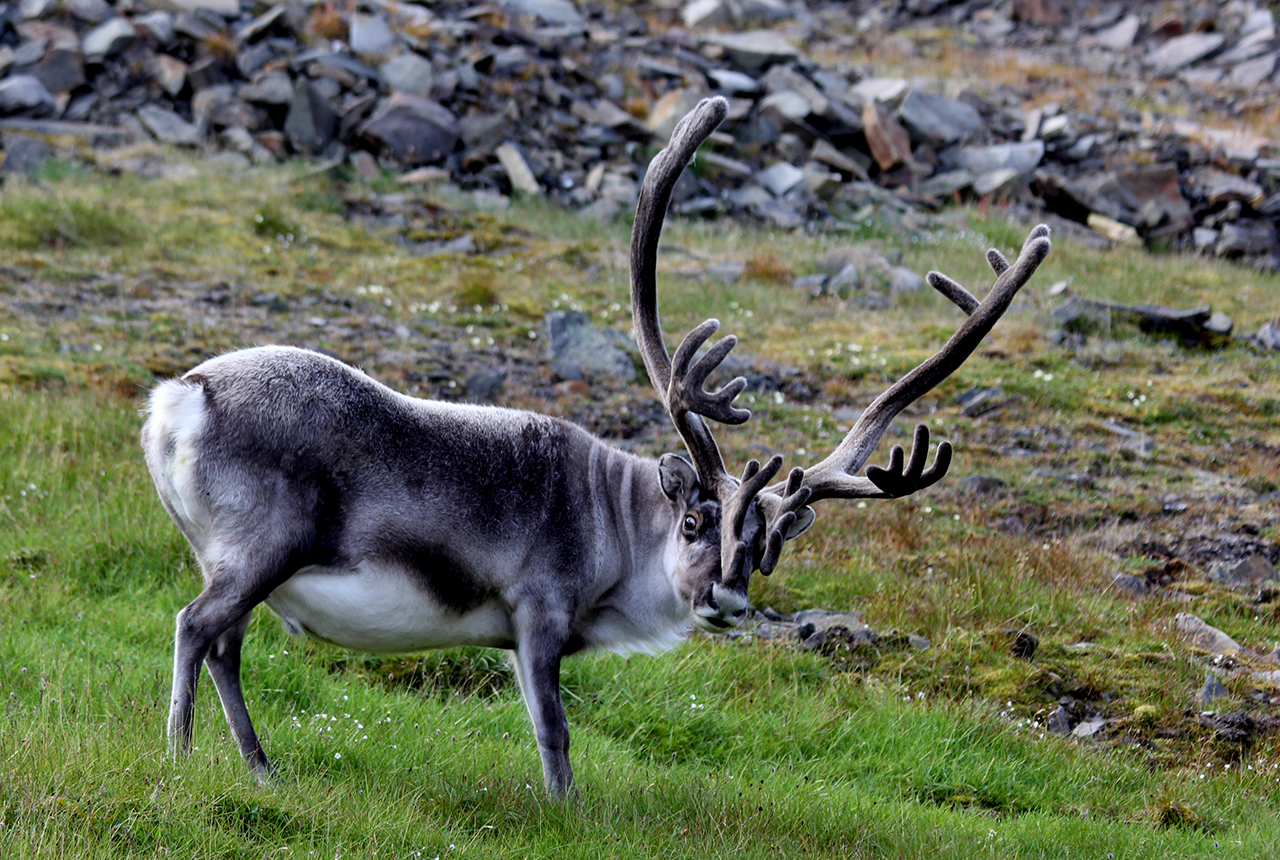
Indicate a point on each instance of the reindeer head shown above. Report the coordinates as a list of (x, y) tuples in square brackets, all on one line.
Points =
[(730, 527)]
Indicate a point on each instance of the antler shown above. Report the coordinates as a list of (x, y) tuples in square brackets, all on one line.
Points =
[(679, 382), (836, 476)]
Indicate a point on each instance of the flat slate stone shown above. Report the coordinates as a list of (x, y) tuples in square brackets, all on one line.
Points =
[(312, 121), (1021, 157), (1181, 51), (412, 130), (938, 120), (167, 126), (408, 73), (755, 50), (25, 95)]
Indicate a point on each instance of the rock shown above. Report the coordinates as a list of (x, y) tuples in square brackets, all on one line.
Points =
[(780, 178), (371, 37), (997, 183), (108, 39), (517, 170), (728, 272), (89, 11), (311, 121), (943, 186), (1212, 690), (483, 386), (889, 142), (1129, 585), (1249, 575), (732, 82), (1181, 51), (26, 155), (1269, 336), (1113, 230), (887, 90), (170, 73), (25, 95), (708, 13), (157, 26), (272, 88), (1041, 13), (36, 9), (980, 401), (904, 280), (1088, 728), (937, 120), (1221, 187), (1020, 157), (577, 350), (1059, 722), (1219, 324), (1021, 643), (408, 73), (755, 50), (981, 485), (167, 127), (1251, 73), (1247, 237), (223, 8), (1121, 35), (560, 12), (1203, 637)]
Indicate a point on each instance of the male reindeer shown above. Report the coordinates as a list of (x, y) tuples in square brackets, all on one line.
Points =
[(382, 522)]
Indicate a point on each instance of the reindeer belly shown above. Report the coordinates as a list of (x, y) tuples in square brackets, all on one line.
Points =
[(380, 608)]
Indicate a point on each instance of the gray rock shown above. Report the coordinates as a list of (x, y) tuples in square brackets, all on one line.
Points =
[(1204, 238), (412, 130), (108, 39), (61, 70), (785, 107), (167, 127), (944, 185), (311, 121), (1269, 336), (904, 280), (1121, 35), (1212, 690), (261, 25), (578, 350), (1088, 728), (732, 82), (937, 120), (25, 95), (1020, 157), (980, 401), (158, 25), (889, 142), (1247, 237), (37, 9), (408, 73), (727, 272), (997, 183), (371, 36), (755, 50), (1059, 722), (815, 285), (560, 12), (1181, 51), (1249, 575), (1129, 585), (1203, 637), (887, 90), (483, 386), (272, 88), (25, 154), (89, 11), (780, 178), (1250, 73), (982, 485), (222, 8), (708, 13), (169, 72)]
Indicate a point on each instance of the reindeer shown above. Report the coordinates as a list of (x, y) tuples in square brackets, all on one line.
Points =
[(385, 523)]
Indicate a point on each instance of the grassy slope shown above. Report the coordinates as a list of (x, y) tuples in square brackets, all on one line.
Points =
[(720, 747)]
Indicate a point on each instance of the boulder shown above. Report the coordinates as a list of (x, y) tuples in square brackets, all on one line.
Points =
[(311, 121), (25, 95), (412, 130)]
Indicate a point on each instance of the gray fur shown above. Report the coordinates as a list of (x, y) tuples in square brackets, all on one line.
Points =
[(506, 528)]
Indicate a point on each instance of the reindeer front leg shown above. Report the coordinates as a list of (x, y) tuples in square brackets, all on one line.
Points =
[(541, 634)]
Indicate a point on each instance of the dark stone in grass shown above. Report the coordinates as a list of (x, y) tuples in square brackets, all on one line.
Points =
[(1129, 585), (981, 485), (312, 121), (483, 385), (1232, 726), (1059, 721), (1248, 575), (1022, 644), (25, 154), (1213, 689)]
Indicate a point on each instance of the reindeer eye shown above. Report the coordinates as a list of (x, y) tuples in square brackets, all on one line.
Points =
[(690, 524)]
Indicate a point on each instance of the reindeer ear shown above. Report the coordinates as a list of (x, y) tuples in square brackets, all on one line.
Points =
[(804, 518), (679, 480)]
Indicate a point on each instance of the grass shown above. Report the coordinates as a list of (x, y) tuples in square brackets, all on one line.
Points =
[(739, 747)]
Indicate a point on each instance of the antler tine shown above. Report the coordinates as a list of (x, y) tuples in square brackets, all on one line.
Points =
[(836, 476), (733, 517), (681, 386)]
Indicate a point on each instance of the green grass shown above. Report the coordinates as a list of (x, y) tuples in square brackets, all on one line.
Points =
[(723, 747)]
